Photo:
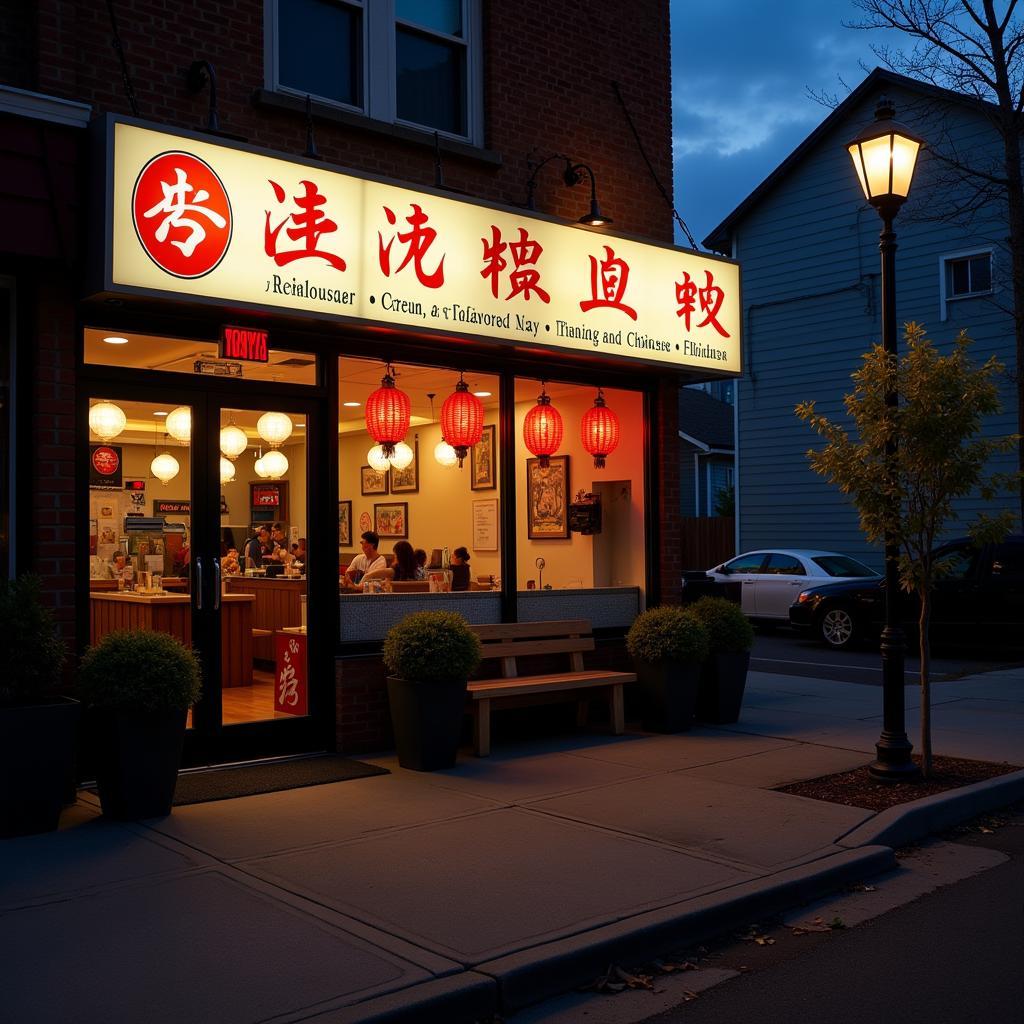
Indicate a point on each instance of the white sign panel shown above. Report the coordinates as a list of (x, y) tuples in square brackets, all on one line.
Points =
[(200, 220)]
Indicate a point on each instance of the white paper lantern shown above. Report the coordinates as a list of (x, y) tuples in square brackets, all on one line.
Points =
[(402, 456), (179, 424), (260, 469), (164, 467), (377, 459), (445, 455), (274, 427), (227, 471), (107, 420), (233, 441), (275, 463)]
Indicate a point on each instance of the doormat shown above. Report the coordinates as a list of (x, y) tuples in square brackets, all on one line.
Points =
[(248, 780)]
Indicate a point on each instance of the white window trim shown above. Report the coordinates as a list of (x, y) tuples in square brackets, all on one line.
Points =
[(42, 107), (380, 98), (949, 257)]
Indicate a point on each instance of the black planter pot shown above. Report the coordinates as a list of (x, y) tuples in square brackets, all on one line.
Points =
[(669, 693), (37, 760), (427, 720), (137, 758), (721, 687)]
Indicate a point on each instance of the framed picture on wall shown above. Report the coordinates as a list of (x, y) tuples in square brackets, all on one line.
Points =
[(391, 520), (482, 475), (547, 514), (373, 481), (344, 524), (407, 481)]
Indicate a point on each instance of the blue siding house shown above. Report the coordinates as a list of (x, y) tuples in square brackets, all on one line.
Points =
[(808, 245), (706, 446)]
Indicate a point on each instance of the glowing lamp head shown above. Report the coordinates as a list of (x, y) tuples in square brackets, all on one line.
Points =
[(445, 455), (275, 428), (462, 420), (543, 429), (388, 411), (179, 424), (227, 471), (164, 467), (233, 441), (107, 420), (599, 430), (377, 460), (275, 463), (884, 156), (402, 456)]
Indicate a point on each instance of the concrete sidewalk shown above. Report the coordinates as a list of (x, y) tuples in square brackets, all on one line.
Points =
[(458, 894)]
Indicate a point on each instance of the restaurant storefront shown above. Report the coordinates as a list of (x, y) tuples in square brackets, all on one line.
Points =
[(271, 343)]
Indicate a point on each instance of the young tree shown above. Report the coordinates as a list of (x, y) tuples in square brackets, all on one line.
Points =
[(976, 48), (939, 459)]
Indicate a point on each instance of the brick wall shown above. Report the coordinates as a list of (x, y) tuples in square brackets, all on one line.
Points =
[(670, 554)]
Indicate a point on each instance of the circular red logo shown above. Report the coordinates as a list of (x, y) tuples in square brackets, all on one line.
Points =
[(182, 214), (105, 461)]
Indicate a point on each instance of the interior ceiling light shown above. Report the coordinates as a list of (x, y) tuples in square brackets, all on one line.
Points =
[(275, 428), (275, 463), (388, 412), (377, 459), (444, 454), (160, 412), (351, 405), (462, 419), (259, 469), (543, 429), (599, 430), (482, 394), (107, 420), (164, 467), (402, 456), (233, 441), (179, 424), (113, 340), (227, 471)]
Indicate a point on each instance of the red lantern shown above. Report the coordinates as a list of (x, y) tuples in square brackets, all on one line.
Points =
[(542, 429), (462, 419), (599, 430), (387, 414)]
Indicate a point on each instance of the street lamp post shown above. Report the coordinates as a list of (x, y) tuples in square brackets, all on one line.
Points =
[(884, 155)]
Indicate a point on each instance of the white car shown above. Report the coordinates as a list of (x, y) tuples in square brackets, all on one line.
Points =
[(770, 580)]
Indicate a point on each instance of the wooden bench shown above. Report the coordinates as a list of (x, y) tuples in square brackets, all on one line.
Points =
[(509, 641)]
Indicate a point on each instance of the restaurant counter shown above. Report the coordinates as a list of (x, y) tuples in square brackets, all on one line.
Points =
[(278, 604)]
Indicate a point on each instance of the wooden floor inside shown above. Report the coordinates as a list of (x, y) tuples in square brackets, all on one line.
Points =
[(241, 704)]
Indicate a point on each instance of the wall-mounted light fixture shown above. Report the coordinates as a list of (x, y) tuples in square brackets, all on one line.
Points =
[(572, 175)]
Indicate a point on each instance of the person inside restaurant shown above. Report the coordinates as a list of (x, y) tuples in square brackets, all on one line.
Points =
[(403, 565), (460, 569), (368, 565), (421, 563), (257, 546)]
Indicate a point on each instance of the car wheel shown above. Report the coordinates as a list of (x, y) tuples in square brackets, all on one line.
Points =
[(838, 628)]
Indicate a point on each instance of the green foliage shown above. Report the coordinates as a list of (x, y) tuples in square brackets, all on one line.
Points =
[(725, 501), (432, 647), (939, 457), (729, 631), (31, 649), (140, 671), (667, 633)]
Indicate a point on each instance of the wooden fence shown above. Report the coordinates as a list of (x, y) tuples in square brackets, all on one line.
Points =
[(707, 541)]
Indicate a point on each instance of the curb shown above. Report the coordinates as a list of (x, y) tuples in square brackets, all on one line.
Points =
[(908, 823), (535, 974)]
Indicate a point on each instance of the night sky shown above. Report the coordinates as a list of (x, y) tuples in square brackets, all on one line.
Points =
[(741, 71)]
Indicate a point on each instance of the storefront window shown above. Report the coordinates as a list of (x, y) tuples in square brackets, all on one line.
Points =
[(418, 502), (198, 357), (580, 526)]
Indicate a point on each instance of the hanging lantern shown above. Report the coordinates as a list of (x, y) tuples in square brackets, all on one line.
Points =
[(542, 428), (227, 471), (179, 424), (402, 457), (462, 420), (387, 414), (275, 428), (233, 441), (444, 454), (275, 463), (377, 460), (164, 467), (259, 469), (107, 420), (599, 430)]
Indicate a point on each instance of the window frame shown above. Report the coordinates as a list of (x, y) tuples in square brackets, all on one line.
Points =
[(946, 259), (380, 65)]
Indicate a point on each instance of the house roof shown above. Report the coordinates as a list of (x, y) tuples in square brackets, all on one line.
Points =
[(705, 419), (720, 239)]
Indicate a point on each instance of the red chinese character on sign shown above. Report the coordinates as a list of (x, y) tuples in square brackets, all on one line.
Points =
[(710, 298), (608, 284), (525, 278), (418, 239), (311, 223)]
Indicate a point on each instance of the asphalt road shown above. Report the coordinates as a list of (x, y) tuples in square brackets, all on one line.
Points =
[(953, 956), (785, 651)]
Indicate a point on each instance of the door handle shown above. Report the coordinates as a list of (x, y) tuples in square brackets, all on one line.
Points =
[(216, 584), (198, 584)]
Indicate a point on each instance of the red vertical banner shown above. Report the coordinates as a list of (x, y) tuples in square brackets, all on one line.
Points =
[(291, 683)]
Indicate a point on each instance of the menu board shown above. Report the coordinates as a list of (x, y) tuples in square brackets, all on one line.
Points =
[(485, 525)]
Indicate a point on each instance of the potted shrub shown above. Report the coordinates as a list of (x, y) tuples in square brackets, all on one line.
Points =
[(138, 686), (668, 646), (37, 728), (725, 675), (430, 657)]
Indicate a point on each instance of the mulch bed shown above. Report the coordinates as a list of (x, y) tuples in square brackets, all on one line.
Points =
[(858, 789)]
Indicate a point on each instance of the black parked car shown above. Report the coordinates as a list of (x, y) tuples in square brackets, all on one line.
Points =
[(980, 596)]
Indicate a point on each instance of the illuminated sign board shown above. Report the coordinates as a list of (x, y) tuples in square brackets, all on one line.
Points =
[(246, 343), (231, 225)]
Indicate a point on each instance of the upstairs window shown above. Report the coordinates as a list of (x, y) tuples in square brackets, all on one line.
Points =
[(969, 275), (410, 62)]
